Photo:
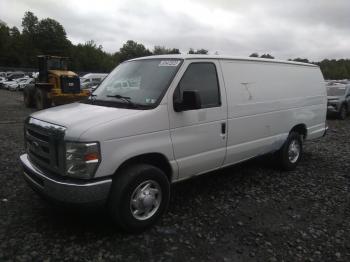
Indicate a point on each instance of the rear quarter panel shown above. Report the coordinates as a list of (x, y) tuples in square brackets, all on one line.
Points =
[(266, 100)]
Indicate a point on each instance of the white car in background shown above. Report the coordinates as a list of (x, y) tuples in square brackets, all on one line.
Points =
[(2, 80), (6, 84), (92, 77), (12, 85), (35, 74), (18, 84), (24, 82)]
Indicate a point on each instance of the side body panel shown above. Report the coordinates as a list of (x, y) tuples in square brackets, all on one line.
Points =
[(266, 100)]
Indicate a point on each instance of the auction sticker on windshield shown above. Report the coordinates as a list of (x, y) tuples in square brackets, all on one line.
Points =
[(169, 63)]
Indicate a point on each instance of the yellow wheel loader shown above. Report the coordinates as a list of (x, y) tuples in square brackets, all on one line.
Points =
[(54, 84)]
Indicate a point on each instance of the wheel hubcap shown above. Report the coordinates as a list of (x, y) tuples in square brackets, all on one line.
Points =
[(145, 200), (294, 151)]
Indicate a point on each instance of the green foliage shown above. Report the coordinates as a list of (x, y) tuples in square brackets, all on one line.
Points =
[(262, 56), (335, 69), (51, 38), (130, 50), (202, 51), (198, 51), (90, 57), (5, 43), (267, 56), (302, 60), (29, 23), (254, 55), (161, 50)]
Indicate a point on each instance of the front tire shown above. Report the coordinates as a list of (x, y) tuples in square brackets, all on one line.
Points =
[(139, 196), (41, 99), (28, 97), (291, 152), (343, 112)]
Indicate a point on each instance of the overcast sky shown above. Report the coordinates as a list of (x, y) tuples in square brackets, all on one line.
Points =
[(314, 29)]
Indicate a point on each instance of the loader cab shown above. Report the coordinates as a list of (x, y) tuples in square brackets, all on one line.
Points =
[(47, 63)]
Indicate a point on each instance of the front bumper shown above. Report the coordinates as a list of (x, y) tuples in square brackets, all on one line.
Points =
[(62, 190)]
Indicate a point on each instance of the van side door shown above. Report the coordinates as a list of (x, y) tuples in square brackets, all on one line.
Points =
[(199, 135)]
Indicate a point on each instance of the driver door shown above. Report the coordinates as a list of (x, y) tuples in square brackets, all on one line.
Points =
[(199, 136)]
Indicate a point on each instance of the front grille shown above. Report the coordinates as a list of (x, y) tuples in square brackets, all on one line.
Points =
[(70, 84), (44, 145)]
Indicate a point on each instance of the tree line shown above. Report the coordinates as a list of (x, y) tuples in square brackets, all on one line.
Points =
[(331, 68), (47, 36)]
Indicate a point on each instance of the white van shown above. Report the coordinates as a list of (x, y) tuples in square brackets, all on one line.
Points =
[(92, 77), (181, 116)]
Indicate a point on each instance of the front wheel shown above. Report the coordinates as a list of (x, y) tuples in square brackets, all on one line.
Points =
[(290, 153), (42, 100), (343, 112), (28, 97), (139, 196)]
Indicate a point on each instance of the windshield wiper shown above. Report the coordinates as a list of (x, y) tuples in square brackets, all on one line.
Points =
[(124, 98)]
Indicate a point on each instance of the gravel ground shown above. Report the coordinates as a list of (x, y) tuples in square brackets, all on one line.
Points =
[(249, 212)]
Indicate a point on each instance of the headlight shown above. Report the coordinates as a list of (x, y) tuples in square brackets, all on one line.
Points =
[(82, 159)]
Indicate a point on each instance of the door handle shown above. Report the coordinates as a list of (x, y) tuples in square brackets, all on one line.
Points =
[(223, 128)]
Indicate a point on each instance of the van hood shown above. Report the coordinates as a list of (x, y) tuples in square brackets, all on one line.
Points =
[(78, 117)]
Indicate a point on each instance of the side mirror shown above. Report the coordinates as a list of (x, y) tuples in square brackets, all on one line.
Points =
[(190, 100)]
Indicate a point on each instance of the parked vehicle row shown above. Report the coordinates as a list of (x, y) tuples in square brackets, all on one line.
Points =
[(91, 81), (17, 84), (338, 96), (16, 81)]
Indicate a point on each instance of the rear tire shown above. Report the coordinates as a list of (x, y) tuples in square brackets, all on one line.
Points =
[(291, 152), (41, 99), (343, 112), (139, 196)]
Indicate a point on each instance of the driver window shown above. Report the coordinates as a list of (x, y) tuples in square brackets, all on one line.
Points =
[(200, 77)]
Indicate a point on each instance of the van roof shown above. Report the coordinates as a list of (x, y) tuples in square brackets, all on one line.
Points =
[(222, 57)]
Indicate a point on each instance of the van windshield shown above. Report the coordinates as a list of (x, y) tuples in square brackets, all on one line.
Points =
[(141, 82)]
